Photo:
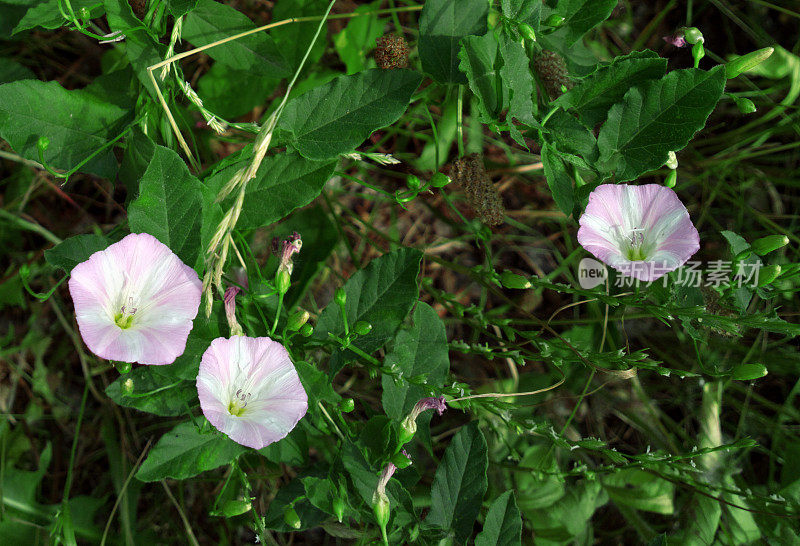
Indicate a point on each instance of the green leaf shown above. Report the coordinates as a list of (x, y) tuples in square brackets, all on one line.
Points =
[(70, 252), (558, 180), (141, 48), (503, 524), (640, 490), (257, 53), (523, 11), (570, 516), (576, 143), (46, 14), (481, 64), (336, 117), (76, 123), (420, 350), (460, 483), (316, 384), (232, 93), (179, 8), (169, 205), (153, 390), (594, 95), (748, 372), (184, 452), (11, 71), (293, 40), (291, 450), (517, 77), (581, 16), (658, 117), (283, 183), (442, 25), (382, 294), (358, 38)]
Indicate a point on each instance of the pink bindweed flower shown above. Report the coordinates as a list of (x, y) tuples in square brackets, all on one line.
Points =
[(642, 231), (250, 390), (286, 249), (135, 301)]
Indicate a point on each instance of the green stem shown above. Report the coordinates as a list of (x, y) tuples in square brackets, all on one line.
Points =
[(277, 315)]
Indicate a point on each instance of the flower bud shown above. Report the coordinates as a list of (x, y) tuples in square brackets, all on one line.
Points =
[(297, 320), (745, 105), (282, 281), (338, 508), (123, 367), (362, 327), (340, 297), (692, 35), (236, 507), (346, 405), (380, 507), (672, 160), (672, 179), (555, 20), (698, 52), (306, 330), (127, 386), (413, 182), (527, 32), (291, 518), (767, 274), (747, 62), (43, 143), (440, 180), (514, 281), (767, 244), (408, 428)]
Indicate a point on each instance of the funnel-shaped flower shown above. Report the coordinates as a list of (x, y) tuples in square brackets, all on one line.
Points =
[(135, 301), (643, 231), (249, 390)]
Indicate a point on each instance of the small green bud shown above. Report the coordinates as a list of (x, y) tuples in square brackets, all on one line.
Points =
[(282, 281), (291, 518), (440, 180), (400, 460), (747, 62), (514, 281), (413, 182), (767, 274), (338, 508), (527, 32), (362, 327), (297, 320), (408, 428), (381, 509), (346, 405), (672, 160), (123, 367), (767, 244), (306, 330), (236, 508), (555, 20), (127, 386), (340, 297), (84, 14), (745, 105), (672, 179), (698, 52), (692, 35), (43, 143)]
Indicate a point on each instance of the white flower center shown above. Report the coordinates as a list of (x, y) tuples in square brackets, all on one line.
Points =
[(632, 244), (124, 318), (238, 403)]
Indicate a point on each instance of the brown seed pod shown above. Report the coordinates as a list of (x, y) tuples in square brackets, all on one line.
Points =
[(391, 52), (481, 193), (552, 71)]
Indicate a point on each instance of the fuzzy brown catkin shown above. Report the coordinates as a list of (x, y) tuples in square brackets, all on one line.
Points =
[(391, 52), (482, 195), (553, 73)]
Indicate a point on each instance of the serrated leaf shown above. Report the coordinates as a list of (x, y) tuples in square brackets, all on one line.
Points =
[(76, 123), (581, 16), (382, 294), (442, 25), (184, 452), (336, 117), (480, 63), (70, 252), (503, 524), (558, 180), (420, 350), (460, 483), (655, 118), (283, 183), (595, 94), (257, 53), (169, 205)]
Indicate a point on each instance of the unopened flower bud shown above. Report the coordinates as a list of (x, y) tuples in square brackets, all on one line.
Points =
[(555, 20), (698, 52), (236, 507), (127, 386), (283, 281), (745, 105), (527, 32), (291, 518), (440, 180), (306, 330), (123, 367), (340, 297), (43, 143), (747, 62), (514, 281), (692, 35), (347, 405), (230, 310), (413, 182), (767, 274), (768, 244), (672, 160), (338, 508), (672, 179), (297, 320), (409, 425), (362, 327)]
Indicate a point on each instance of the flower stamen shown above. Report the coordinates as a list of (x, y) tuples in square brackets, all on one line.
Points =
[(124, 319)]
